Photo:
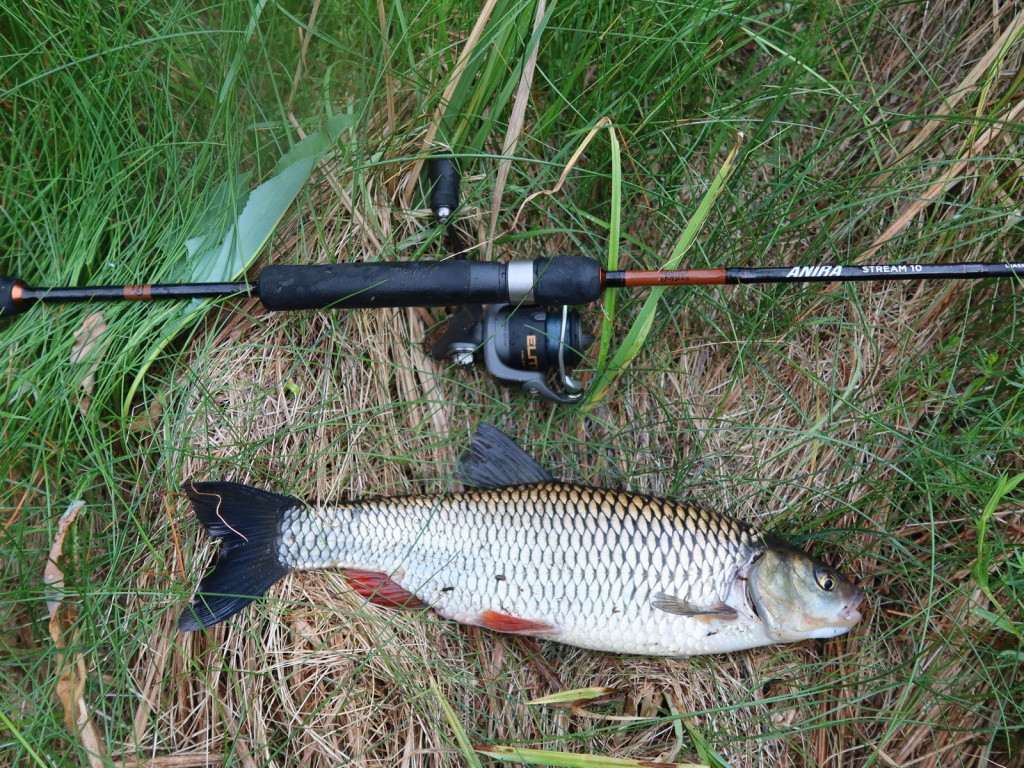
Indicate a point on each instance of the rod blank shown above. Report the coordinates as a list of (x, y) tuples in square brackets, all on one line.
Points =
[(17, 297), (819, 273)]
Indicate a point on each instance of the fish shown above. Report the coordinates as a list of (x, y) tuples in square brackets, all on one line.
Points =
[(523, 553)]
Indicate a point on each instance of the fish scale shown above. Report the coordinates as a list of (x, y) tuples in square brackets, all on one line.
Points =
[(563, 555)]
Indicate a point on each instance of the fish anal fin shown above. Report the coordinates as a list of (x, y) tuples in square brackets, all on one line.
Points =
[(381, 589), (680, 607), (511, 625)]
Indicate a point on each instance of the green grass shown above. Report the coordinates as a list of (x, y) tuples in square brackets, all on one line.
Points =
[(873, 424)]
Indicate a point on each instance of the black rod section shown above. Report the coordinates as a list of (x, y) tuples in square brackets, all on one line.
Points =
[(135, 292), (827, 273), (18, 297)]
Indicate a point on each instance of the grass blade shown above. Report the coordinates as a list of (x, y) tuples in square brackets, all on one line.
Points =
[(983, 563), (614, 226), (637, 336), (704, 750), (244, 238), (570, 760), (20, 738), (575, 694), (515, 123), (460, 733)]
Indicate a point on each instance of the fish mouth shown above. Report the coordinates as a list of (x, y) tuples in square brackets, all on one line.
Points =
[(850, 614)]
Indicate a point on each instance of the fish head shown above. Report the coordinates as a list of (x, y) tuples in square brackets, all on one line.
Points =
[(798, 597)]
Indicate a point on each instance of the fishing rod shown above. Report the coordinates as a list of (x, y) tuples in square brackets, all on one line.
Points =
[(438, 283), (516, 313)]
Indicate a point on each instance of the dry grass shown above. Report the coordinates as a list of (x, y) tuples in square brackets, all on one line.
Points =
[(802, 428)]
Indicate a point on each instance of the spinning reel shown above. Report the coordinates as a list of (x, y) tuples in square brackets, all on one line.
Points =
[(519, 345)]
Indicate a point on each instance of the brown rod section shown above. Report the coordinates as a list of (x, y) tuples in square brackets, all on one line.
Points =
[(138, 292), (640, 278)]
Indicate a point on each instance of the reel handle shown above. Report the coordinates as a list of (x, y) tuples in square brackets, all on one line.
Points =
[(444, 177), (558, 280)]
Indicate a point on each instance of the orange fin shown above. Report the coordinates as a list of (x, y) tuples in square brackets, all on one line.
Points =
[(501, 622), (380, 589)]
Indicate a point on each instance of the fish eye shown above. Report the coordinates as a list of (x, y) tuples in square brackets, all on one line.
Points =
[(825, 579)]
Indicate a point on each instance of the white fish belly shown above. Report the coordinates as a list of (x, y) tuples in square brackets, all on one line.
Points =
[(583, 561)]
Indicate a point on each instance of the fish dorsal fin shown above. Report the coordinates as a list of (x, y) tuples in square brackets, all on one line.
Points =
[(493, 460), (680, 607)]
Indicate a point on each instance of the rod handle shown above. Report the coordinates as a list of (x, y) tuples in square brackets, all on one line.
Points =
[(558, 280)]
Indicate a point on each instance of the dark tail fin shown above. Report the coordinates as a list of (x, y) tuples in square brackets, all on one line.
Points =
[(248, 521)]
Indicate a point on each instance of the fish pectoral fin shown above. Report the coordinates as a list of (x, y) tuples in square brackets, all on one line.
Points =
[(502, 622), (381, 589), (493, 460), (680, 607)]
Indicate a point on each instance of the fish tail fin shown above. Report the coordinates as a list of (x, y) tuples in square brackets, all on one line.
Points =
[(248, 523)]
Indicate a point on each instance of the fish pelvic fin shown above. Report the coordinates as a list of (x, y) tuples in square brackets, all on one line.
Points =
[(493, 460), (680, 607), (248, 523)]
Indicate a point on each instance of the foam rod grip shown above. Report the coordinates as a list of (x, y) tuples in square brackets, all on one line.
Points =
[(382, 284), (566, 280)]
